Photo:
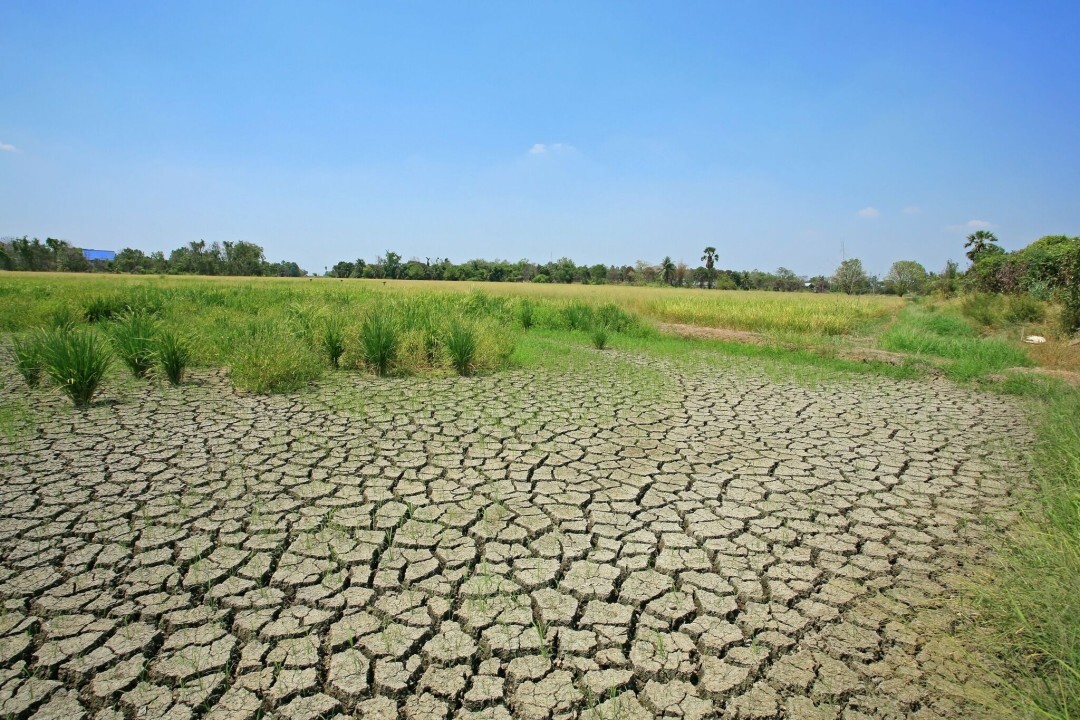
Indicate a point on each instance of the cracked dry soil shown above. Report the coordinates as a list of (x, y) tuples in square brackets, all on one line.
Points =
[(633, 540)]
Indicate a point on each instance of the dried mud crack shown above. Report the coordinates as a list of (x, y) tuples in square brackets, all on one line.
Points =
[(636, 540)]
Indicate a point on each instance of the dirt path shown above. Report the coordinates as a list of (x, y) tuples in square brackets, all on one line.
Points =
[(624, 541)]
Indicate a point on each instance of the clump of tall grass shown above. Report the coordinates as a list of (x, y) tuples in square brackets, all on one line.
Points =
[(577, 315), (63, 317), (173, 354), (103, 307), (76, 361), (461, 345), (273, 360), (526, 313), (333, 341), (378, 342), (135, 339), (599, 336), (27, 349)]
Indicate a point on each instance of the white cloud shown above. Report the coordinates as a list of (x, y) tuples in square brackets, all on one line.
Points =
[(979, 225), (5, 147), (552, 149), (912, 210), (869, 212)]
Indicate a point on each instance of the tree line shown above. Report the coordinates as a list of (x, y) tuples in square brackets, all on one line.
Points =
[(195, 258), (1047, 269)]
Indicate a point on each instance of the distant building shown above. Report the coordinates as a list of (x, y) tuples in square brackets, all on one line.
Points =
[(99, 254)]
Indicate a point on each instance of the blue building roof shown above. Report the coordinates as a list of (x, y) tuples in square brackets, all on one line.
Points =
[(99, 254)]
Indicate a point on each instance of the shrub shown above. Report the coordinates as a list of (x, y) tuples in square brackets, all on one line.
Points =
[(77, 361), (461, 344), (599, 337), (134, 338), (333, 341), (378, 342), (1024, 309), (173, 355), (983, 308), (1070, 311), (28, 358)]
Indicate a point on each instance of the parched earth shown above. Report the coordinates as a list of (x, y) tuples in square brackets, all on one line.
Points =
[(626, 539)]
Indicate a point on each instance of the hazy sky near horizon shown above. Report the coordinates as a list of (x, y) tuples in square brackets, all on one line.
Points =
[(780, 133)]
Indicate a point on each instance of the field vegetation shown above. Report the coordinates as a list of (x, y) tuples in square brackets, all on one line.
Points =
[(73, 333)]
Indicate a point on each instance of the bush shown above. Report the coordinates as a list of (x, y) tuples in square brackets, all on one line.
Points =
[(77, 361), (134, 338), (983, 308), (1070, 311), (27, 351), (378, 342), (461, 344), (173, 355), (1024, 309), (333, 341)]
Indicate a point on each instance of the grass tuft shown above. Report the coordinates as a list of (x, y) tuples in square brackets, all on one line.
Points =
[(27, 349), (77, 361), (461, 345), (173, 355), (378, 342), (135, 339), (333, 341), (599, 337)]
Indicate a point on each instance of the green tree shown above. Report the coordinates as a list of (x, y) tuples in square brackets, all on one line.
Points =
[(710, 265), (667, 270), (391, 265), (850, 277), (905, 276), (981, 242), (243, 258)]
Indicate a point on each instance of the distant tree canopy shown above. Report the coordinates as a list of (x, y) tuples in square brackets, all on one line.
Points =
[(850, 277), (196, 258), (905, 276)]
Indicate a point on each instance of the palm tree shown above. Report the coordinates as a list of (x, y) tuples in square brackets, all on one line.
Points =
[(667, 270), (710, 264), (979, 242)]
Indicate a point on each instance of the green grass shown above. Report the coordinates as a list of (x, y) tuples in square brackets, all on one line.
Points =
[(932, 334), (462, 346), (173, 355), (27, 351), (134, 337), (76, 361), (378, 342), (273, 360), (1031, 603)]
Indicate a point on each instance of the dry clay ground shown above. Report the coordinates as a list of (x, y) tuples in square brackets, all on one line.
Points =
[(628, 539)]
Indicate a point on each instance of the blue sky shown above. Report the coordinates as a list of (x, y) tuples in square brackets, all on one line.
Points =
[(605, 131)]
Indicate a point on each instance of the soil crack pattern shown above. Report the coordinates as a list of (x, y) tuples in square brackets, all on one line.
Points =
[(633, 539)]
